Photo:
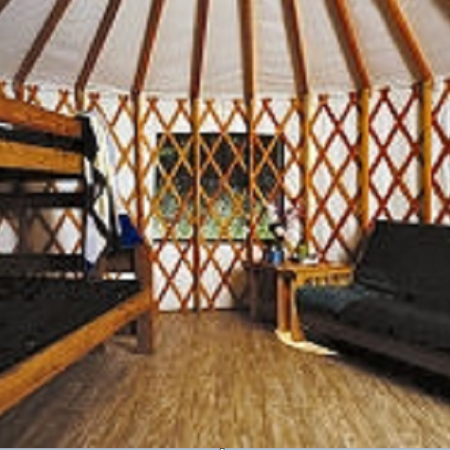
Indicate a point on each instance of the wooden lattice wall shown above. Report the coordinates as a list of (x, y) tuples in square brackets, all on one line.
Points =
[(348, 159)]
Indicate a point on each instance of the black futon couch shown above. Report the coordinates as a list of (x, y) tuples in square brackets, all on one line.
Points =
[(399, 301)]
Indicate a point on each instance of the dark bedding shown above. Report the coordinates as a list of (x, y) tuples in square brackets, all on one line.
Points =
[(35, 312)]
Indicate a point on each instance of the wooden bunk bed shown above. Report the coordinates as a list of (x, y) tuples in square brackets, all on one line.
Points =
[(52, 311)]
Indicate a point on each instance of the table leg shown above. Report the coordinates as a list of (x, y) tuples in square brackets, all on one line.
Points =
[(252, 292), (283, 303), (297, 334)]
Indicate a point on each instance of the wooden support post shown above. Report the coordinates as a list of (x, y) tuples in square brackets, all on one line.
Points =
[(80, 105), (146, 322), (79, 99), (427, 163), (195, 115), (251, 133), (364, 178), (306, 163), (247, 23), (138, 132)]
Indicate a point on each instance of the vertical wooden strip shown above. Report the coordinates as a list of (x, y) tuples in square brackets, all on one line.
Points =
[(364, 181), (306, 164), (138, 148), (195, 115), (246, 11), (426, 125), (251, 133), (79, 99), (80, 104)]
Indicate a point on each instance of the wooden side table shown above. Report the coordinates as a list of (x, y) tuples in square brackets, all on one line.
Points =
[(291, 276), (272, 290)]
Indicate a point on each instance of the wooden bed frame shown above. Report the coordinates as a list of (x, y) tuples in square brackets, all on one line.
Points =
[(22, 158)]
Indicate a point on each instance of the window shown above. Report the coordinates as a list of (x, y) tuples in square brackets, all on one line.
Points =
[(224, 185)]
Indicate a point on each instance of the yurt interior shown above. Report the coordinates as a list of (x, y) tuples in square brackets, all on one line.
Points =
[(217, 221)]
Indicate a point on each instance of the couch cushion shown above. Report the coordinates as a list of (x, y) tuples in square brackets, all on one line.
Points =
[(408, 260), (333, 300), (35, 313), (400, 320)]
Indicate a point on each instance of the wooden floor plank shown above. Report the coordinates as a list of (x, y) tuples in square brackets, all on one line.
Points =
[(219, 380)]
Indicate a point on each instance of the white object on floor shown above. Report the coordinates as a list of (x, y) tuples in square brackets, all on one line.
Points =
[(305, 346)]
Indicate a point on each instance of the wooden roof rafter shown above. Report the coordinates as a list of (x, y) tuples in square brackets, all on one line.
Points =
[(198, 51), (97, 44), (414, 52), (4, 4), (291, 13), (39, 43), (247, 23), (153, 22), (352, 50)]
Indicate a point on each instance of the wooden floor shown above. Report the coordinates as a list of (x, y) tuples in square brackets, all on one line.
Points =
[(220, 381)]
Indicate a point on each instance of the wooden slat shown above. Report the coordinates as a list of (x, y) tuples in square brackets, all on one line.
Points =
[(148, 44), (251, 132), (198, 52), (248, 47), (25, 378), (12, 201), (427, 164), (140, 182), (249, 70), (415, 53), (30, 157), (306, 162), (195, 111), (39, 43), (36, 118), (364, 177), (353, 51), (291, 19), (97, 44)]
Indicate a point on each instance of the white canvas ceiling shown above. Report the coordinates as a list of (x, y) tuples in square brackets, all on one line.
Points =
[(329, 67)]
